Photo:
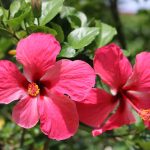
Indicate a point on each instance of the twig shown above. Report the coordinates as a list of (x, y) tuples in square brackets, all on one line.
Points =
[(22, 138), (46, 144)]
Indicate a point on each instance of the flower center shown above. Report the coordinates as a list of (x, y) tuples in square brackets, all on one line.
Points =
[(145, 114), (33, 89)]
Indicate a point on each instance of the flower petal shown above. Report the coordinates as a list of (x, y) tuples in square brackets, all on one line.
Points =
[(147, 124), (37, 53), (96, 107), (138, 85), (58, 116), (74, 78), (123, 116), (112, 66), (12, 82), (25, 113)]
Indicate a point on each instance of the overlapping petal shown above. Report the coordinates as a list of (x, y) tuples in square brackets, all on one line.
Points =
[(112, 66), (74, 78), (58, 116), (96, 107), (12, 82), (25, 113), (147, 124), (138, 85), (123, 116), (37, 53)]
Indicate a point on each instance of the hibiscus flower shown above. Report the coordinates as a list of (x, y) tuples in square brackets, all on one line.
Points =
[(47, 89), (128, 87)]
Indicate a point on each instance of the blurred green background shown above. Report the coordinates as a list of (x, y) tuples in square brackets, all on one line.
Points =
[(133, 36)]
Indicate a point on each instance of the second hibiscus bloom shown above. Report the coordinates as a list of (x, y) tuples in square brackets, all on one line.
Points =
[(129, 88)]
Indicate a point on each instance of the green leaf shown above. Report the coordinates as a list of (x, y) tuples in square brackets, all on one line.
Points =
[(60, 33), (5, 44), (75, 18), (30, 19), (106, 34), (5, 33), (1, 12), (3, 15), (67, 11), (44, 29), (21, 34), (144, 144), (82, 37), (126, 53), (14, 8), (50, 9), (67, 51), (82, 18), (74, 21), (15, 23)]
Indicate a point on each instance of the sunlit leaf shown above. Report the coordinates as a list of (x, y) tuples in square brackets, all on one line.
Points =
[(67, 51), (107, 33), (82, 37), (14, 7), (50, 9), (75, 18)]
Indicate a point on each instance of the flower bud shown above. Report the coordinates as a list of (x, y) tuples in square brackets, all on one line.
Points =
[(12, 52), (36, 7)]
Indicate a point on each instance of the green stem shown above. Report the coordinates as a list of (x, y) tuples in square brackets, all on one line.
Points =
[(22, 138), (46, 144), (86, 128)]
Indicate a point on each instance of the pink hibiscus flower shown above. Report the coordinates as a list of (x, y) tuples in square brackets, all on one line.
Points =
[(47, 88), (129, 87)]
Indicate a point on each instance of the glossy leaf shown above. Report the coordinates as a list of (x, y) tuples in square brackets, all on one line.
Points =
[(75, 18), (107, 33), (67, 51), (1, 12), (3, 15), (15, 23), (50, 9), (44, 29), (60, 33), (82, 37), (14, 8)]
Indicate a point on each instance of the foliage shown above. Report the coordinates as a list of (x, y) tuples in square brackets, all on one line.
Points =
[(79, 35)]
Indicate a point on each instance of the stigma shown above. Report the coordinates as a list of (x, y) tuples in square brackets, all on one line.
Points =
[(145, 114), (33, 89)]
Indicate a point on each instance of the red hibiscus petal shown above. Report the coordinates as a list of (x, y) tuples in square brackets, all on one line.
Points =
[(138, 85), (123, 116), (25, 113), (96, 107), (58, 116), (74, 78), (112, 66), (147, 124), (12, 82), (37, 53)]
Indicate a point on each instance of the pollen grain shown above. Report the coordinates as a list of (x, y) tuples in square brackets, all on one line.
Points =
[(33, 89), (145, 114)]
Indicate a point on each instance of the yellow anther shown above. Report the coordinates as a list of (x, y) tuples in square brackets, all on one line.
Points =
[(145, 114), (33, 89)]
